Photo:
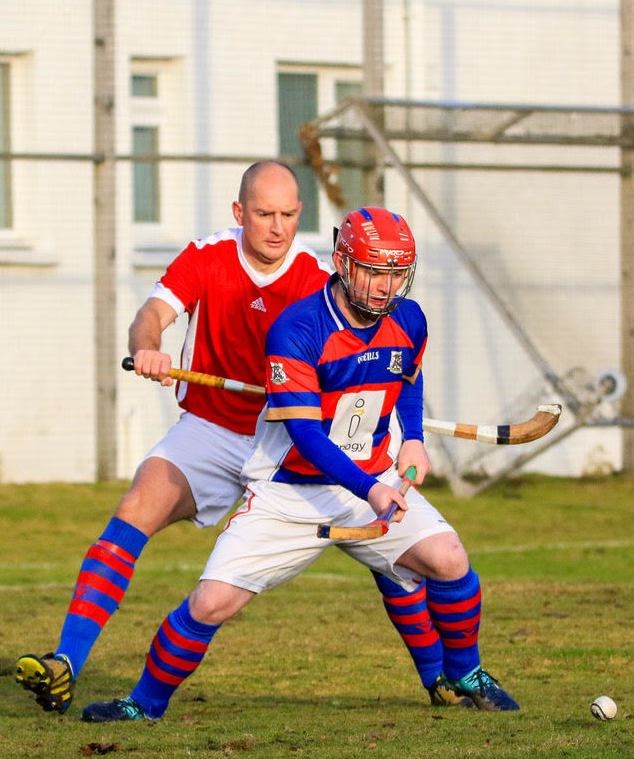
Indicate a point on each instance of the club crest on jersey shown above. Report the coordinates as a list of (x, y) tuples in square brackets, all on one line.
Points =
[(396, 362), (278, 375)]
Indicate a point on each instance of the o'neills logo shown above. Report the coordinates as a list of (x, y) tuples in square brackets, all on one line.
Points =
[(368, 356), (278, 375)]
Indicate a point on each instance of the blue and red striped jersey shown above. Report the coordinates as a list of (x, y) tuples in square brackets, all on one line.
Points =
[(321, 368)]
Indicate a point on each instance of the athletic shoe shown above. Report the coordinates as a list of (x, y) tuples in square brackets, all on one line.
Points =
[(121, 709), (441, 693), (49, 677), (485, 692)]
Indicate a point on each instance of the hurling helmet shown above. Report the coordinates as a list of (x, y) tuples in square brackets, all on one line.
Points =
[(374, 241)]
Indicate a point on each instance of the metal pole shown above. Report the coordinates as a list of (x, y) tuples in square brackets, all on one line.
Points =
[(468, 260), (373, 67), (627, 231), (105, 301)]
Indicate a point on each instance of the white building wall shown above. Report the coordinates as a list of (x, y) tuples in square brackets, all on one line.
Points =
[(548, 241), (542, 239), (46, 406)]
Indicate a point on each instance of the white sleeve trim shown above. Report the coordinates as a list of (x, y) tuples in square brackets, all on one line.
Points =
[(163, 293)]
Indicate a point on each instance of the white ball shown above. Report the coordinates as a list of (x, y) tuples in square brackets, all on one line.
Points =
[(603, 708)]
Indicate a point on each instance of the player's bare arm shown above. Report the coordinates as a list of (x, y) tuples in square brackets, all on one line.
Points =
[(144, 341)]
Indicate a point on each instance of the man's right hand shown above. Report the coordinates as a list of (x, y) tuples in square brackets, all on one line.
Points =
[(144, 341), (154, 365), (381, 498)]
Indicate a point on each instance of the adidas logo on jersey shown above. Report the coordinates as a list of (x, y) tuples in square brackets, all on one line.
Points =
[(258, 305)]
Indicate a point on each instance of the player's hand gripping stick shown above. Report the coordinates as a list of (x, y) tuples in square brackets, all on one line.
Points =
[(198, 378), (374, 529)]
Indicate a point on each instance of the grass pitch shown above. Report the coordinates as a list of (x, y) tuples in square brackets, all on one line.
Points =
[(314, 668)]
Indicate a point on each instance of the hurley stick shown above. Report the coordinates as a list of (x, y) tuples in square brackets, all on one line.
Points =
[(542, 422), (198, 378)]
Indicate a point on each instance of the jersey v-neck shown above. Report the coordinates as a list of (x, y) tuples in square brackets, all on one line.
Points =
[(259, 278), (364, 334)]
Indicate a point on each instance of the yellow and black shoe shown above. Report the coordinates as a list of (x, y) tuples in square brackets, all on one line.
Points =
[(442, 693), (49, 677)]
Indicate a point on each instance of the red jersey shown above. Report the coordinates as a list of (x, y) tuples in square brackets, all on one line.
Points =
[(230, 308)]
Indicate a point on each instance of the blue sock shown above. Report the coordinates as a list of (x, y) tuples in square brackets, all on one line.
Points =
[(409, 615), (179, 646), (103, 579), (454, 607)]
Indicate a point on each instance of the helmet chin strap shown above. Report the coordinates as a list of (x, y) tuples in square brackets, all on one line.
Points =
[(361, 313)]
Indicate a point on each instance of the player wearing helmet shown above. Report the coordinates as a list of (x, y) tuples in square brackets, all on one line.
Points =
[(376, 254), (339, 362)]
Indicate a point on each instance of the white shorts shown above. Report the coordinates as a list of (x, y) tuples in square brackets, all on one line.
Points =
[(211, 458), (273, 535)]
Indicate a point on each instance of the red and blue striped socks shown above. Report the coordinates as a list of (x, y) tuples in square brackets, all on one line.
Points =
[(103, 579), (178, 648), (454, 607), (409, 615)]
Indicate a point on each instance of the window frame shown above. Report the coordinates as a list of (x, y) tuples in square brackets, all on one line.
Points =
[(328, 75), (146, 112), (6, 184), (146, 172), (289, 144), (146, 76)]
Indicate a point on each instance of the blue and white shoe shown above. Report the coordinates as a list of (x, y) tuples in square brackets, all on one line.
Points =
[(120, 710), (485, 692)]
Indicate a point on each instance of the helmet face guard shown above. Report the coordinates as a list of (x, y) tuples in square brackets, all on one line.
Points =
[(357, 283), (375, 243)]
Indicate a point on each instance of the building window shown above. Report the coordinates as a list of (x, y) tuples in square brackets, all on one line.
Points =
[(144, 85), (306, 91), (6, 215), (350, 179), (145, 175), (296, 104)]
